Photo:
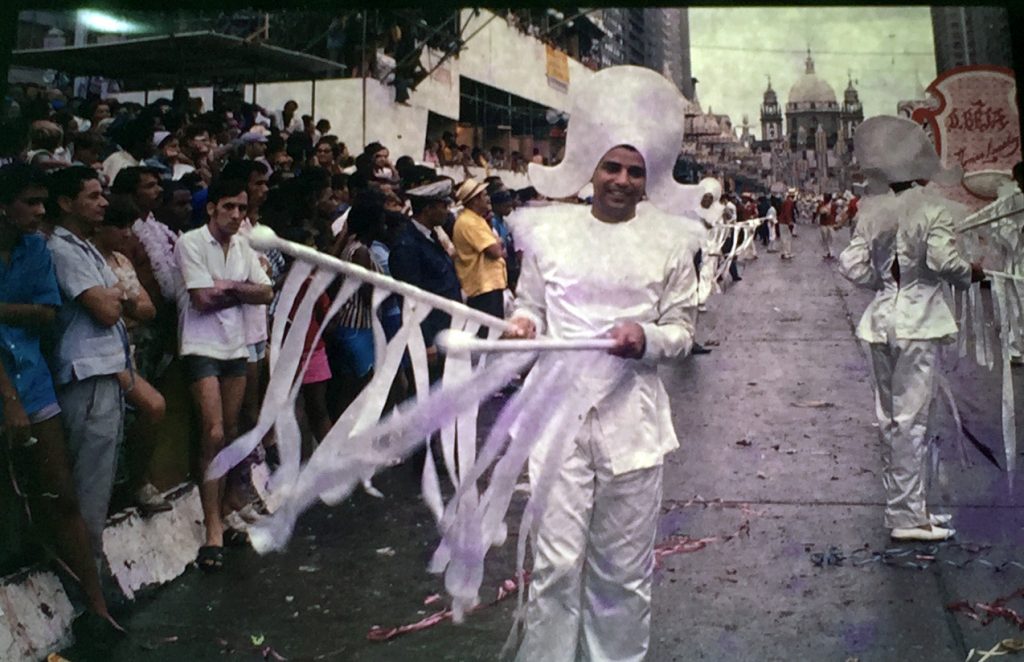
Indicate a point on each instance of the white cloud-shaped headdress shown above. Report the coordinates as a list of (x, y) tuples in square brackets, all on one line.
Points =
[(623, 105), (896, 149)]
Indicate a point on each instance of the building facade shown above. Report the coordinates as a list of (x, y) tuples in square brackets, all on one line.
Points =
[(809, 140), (811, 103), (971, 35), (656, 38)]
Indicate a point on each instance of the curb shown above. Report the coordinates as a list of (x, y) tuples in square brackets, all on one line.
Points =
[(35, 611)]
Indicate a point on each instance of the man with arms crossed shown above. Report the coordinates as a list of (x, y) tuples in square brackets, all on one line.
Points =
[(222, 273)]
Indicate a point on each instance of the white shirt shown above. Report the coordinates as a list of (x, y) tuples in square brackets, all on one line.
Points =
[(220, 334), (914, 228), (580, 277)]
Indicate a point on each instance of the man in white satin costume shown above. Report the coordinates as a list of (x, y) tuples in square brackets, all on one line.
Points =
[(621, 268)]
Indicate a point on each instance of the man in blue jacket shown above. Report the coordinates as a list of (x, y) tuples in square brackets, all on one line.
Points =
[(418, 258)]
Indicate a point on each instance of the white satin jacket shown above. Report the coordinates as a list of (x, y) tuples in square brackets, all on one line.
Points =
[(914, 229), (580, 277)]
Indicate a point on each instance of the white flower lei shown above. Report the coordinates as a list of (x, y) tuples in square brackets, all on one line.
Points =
[(159, 241)]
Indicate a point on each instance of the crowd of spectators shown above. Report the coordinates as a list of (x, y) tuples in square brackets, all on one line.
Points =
[(134, 313)]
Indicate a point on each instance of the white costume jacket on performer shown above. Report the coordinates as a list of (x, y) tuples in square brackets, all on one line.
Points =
[(591, 583), (903, 328)]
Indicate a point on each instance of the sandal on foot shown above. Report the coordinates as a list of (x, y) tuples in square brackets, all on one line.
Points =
[(210, 558), (235, 538)]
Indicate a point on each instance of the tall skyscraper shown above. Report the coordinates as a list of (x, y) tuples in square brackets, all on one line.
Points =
[(668, 38), (657, 38), (971, 35), (626, 43)]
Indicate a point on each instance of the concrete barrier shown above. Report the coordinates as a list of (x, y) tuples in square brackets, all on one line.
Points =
[(35, 611)]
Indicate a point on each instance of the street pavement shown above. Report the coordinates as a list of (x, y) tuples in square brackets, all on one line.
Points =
[(773, 502)]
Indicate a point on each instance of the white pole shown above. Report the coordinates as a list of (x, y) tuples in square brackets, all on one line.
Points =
[(263, 238), (1003, 274), (460, 342), (971, 224)]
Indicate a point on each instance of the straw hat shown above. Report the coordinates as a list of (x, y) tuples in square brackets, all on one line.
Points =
[(468, 190)]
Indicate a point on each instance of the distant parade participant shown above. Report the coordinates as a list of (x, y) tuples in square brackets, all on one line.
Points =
[(709, 211), (904, 248), (787, 219), (826, 218), (623, 268)]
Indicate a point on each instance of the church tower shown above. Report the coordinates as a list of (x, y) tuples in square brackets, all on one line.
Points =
[(771, 115), (852, 113)]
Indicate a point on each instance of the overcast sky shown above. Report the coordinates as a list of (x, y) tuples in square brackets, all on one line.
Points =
[(733, 49)]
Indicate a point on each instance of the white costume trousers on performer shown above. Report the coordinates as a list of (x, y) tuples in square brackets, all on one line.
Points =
[(826, 238), (594, 560), (786, 235), (904, 372)]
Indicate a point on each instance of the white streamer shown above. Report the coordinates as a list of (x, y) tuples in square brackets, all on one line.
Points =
[(1009, 415)]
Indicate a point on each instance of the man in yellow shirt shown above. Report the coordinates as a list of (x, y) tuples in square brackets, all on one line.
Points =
[(479, 253)]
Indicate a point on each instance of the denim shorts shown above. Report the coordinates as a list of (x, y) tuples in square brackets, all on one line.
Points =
[(201, 367), (257, 351)]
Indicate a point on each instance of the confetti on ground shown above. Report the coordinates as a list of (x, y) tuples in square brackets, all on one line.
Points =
[(834, 556), (986, 613), (921, 557), (378, 633)]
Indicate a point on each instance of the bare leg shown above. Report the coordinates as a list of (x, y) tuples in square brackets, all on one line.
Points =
[(315, 398), (151, 408), (253, 396), (206, 393), (60, 514), (232, 395)]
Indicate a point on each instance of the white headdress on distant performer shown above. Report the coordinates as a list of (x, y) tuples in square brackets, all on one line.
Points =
[(898, 150), (623, 105)]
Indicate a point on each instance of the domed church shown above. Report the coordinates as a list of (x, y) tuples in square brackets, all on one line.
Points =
[(815, 150), (812, 103)]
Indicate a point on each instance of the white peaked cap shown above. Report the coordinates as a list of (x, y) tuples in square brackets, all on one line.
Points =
[(623, 105), (896, 149)]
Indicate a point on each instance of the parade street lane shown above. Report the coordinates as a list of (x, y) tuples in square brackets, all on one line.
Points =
[(779, 460), (778, 424)]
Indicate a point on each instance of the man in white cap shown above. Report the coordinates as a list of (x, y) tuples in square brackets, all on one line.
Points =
[(904, 248), (621, 268), (418, 257)]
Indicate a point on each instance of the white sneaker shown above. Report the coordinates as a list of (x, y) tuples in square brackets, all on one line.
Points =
[(939, 519), (917, 533)]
